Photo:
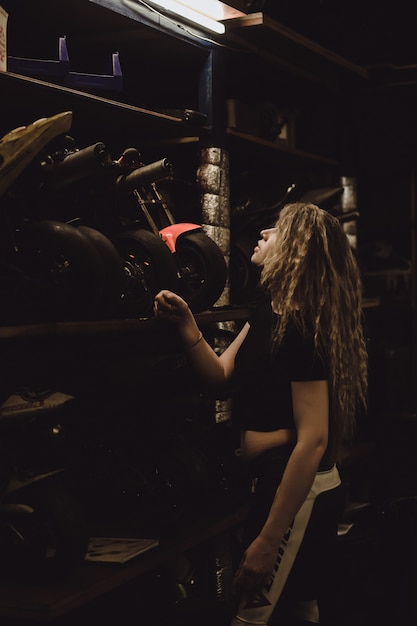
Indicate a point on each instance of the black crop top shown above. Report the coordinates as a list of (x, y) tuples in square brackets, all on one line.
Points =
[(263, 399)]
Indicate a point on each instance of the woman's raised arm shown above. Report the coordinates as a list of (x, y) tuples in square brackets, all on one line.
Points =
[(215, 371)]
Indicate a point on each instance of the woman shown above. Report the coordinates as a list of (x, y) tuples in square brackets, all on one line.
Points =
[(300, 368)]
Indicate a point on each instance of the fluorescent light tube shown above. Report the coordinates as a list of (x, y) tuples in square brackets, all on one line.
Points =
[(209, 8), (190, 15)]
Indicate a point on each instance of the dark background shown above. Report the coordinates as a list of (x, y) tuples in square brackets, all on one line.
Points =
[(365, 32)]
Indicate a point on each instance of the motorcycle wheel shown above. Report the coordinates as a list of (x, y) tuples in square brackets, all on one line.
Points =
[(148, 268), (51, 536), (63, 273), (112, 271), (203, 270)]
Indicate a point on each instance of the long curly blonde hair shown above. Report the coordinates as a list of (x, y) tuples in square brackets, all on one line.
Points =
[(312, 270)]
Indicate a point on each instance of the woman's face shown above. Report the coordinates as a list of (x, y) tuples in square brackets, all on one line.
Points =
[(265, 244)]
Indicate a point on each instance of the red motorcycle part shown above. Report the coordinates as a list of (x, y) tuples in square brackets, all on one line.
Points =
[(170, 233)]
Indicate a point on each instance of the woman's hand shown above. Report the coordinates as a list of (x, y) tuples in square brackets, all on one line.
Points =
[(170, 306), (257, 565)]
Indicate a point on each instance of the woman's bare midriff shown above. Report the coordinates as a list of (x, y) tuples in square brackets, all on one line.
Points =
[(254, 443)]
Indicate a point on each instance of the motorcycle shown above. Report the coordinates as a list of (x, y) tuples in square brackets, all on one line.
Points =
[(194, 266), (49, 269), (70, 247)]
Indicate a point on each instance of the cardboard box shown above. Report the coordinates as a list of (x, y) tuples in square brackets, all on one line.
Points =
[(277, 124), (261, 119), (243, 117)]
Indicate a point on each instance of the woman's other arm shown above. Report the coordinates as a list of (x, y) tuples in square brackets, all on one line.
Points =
[(310, 403)]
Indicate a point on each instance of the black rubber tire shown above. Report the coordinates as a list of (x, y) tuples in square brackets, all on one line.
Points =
[(149, 267), (203, 270), (63, 270), (112, 271)]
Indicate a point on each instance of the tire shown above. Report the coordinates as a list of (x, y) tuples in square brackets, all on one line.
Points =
[(244, 275), (63, 273), (202, 268), (112, 271), (53, 531), (148, 266)]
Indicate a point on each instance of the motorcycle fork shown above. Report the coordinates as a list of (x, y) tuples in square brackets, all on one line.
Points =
[(156, 200), (153, 199)]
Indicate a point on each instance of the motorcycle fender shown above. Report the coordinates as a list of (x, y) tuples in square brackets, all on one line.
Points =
[(170, 234)]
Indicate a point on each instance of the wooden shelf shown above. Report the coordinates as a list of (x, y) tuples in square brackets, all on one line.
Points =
[(94, 115), (280, 148), (156, 88), (290, 51), (112, 326), (128, 326), (89, 581)]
